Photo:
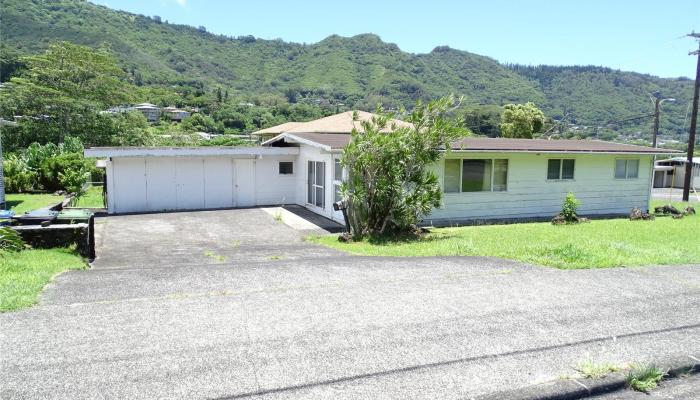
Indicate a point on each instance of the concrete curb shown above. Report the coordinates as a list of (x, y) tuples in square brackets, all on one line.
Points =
[(570, 389)]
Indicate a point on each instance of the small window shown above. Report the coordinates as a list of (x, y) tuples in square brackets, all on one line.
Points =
[(560, 169), (337, 170), (626, 169), (286, 168)]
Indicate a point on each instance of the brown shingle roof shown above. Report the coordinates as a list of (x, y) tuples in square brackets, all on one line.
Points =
[(543, 145), (277, 129), (338, 141), (340, 123)]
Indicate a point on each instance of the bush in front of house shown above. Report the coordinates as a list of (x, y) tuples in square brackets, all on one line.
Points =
[(390, 186), (568, 213), (48, 167), (17, 175)]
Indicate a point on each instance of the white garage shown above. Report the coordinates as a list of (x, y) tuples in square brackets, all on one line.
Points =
[(167, 179)]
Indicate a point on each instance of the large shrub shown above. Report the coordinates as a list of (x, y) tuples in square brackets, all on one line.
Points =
[(48, 167), (69, 168), (18, 176), (390, 186)]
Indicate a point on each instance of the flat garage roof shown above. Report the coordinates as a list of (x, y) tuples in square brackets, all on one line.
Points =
[(204, 151)]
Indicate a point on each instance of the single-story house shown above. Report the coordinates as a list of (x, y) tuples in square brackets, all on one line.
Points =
[(671, 173), (483, 178)]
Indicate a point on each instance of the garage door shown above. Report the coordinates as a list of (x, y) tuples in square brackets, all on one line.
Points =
[(173, 183)]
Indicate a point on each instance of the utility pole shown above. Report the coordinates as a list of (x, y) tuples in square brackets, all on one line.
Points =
[(693, 124), (657, 100)]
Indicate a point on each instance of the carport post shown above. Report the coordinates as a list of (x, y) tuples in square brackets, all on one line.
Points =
[(91, 237)]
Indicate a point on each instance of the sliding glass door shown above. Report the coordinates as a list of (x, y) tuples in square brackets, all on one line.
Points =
[(316, 184)]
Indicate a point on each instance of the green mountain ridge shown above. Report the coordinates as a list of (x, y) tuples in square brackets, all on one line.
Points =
[(359, 71)]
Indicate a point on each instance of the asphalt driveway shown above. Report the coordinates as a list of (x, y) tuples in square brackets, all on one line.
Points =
[(276, 317)]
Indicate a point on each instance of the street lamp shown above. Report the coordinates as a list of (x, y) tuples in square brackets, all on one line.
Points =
[(656, 99)]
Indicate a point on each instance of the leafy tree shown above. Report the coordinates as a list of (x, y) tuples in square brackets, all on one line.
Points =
[(61, 92), (521, 120), (482, 119), (390, 185), (10, 63), (131, 129), (199, 123)]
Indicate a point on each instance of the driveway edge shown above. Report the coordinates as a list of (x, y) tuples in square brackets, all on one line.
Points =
[(571, 389)]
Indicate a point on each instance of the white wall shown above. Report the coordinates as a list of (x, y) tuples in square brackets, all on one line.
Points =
[(306, 154), (530, 194), (271, 188), (163, 183)]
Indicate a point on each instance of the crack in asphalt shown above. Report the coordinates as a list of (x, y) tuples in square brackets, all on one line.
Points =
[(419, 367)]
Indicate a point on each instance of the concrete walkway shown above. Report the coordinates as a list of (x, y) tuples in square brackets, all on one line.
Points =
[(155, 318)]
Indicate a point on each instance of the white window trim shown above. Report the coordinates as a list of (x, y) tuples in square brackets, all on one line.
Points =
[(626, 178), (461, 170), (561, 170), (314, 185)]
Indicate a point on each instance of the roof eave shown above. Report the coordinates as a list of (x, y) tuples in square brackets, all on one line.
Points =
[(296, 139), (560, 151)]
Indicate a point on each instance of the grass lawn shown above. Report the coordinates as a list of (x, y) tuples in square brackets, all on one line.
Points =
[(598, 244), (23, 275), (22, 202), (91, 199)]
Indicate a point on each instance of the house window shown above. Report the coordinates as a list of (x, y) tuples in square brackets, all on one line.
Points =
[(316, 183), (337, 170), (626, 169), (477, 175), (337, 179), (286, 168), (560, 169), (452, 176)]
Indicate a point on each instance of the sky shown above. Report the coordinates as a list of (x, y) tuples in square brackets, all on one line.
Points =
[(632, 35)]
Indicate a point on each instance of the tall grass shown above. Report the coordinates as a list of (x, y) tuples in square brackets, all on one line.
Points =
[(598, 244), (24, 274)]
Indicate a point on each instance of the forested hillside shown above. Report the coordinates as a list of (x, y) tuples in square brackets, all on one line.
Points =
[(338, 72)]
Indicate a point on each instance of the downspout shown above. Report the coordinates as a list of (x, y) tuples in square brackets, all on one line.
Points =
[(651, 183)]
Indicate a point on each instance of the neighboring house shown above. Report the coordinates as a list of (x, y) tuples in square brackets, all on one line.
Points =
[(2, 176), (671, 173), (176, 114), (268, 133), (150, 111), (483, 178)]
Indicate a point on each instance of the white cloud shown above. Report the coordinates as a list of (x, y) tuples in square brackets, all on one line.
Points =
[(181, 2)]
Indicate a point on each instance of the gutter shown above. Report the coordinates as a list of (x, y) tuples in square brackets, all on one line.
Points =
[(557, 152)]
